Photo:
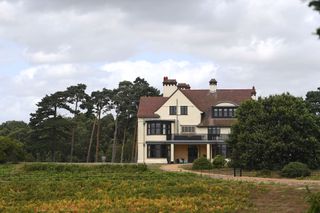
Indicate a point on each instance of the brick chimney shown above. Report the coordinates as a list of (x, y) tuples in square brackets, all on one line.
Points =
[(183, 86), (213, 85), (253, 93), (169, 86)]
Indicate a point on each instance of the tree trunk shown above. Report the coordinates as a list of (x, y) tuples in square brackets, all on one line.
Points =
[(134, 142), (73, 132), (72, 143), (91, 139), (123, 141), (114, 148), (98, 137)]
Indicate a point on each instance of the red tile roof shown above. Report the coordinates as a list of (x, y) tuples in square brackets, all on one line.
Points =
[(148, 106), (203, 100)]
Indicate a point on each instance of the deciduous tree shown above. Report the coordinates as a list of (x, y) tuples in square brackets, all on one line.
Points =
[(273, 131), (315, 4)]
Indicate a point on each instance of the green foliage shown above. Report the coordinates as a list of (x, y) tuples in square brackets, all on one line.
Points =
[(60, 128), (218, 161), (315, 4), (201, 163), (115, 188), (295, 169), (314, 200), (10, 150), (313, 101), (53, 167), (18, 130), (273, 131)]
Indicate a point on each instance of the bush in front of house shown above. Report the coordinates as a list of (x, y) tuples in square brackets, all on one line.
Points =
[(295, 169), (218, 161), (201, 163)]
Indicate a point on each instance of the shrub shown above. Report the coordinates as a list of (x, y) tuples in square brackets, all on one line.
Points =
[(218, 161), (201, 163), (105, 168), (314, 200), (10, 150), (295, 169)]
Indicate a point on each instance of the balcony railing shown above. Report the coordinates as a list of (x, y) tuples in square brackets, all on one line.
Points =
[(198, 137)]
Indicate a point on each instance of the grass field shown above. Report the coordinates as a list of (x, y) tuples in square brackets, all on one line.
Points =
[(134, 188), (315, 174)]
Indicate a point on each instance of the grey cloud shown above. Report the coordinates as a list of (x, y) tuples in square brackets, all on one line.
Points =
[(268, 44)]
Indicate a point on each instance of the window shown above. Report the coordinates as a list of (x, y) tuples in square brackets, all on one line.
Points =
[(213, 132), (220, 149), (157, 151), (184, 110), (188, 129), (223, 112), (158, 128), (172, 110)]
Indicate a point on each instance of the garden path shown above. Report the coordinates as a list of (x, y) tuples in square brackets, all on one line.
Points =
[(285, 181)]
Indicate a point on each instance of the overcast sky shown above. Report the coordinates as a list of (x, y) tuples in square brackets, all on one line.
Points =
[(47, 45)]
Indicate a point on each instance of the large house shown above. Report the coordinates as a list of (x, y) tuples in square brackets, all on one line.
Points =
[(184, 124)]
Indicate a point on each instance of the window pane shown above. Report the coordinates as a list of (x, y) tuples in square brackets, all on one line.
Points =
[(184, 110), (215, 112), (158, 128), (157, 151), (172, 110), (225, 112), (188, 129)]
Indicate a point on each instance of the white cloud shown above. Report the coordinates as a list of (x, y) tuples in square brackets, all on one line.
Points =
[(242, 43), (23, 90)]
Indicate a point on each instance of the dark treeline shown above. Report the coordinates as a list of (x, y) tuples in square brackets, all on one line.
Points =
[(73, 126)]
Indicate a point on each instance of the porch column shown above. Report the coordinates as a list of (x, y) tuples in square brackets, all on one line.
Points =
[(171, 153), (145, 152), (209, 151)]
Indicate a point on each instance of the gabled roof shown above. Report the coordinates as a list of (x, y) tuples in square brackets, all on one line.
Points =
[(202, 99), (149, 105)]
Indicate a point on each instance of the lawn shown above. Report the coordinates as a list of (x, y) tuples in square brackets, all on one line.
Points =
[(134, 188), (315, 174)]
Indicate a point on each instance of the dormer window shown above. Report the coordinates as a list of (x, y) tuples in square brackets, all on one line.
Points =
[(223, 112)]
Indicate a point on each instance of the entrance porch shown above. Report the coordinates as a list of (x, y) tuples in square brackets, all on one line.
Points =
[(182, 152)]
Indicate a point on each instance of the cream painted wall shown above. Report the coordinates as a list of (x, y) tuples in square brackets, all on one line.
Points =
[(155, 137), (179, 99), (141, 141), (168, 90), (225, 130), (192, 119)]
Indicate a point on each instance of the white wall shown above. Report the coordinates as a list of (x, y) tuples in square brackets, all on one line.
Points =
[(179, 99), (141, 140)]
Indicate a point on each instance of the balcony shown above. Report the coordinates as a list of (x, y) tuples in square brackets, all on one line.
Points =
[(198, 137)]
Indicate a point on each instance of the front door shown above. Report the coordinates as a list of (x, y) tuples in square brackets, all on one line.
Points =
[(192, 153)]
